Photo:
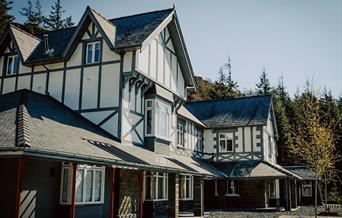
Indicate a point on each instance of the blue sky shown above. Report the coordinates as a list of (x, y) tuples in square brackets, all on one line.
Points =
[(296, 39)]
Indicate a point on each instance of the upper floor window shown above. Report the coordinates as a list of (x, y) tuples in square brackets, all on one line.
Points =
[(225, 142), (232, 187), (157, 118), (12, 65), (180, 134), (199, 142), (156, 186), (93, 52), (186, 187), (89, 184)]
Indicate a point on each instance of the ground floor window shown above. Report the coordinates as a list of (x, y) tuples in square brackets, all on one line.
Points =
[(156, 186), (187, 187), (232, 188), (307, 189), (272, 189), (89, 185)]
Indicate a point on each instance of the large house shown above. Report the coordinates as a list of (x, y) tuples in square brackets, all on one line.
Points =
[(93, 123)]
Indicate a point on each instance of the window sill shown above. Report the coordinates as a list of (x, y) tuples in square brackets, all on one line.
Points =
[(156, 200), (232, 195), (186, 199), (91, 64), (180, 147)]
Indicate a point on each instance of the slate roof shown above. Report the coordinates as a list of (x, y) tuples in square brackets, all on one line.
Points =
[(130, 31), (253, 169), (303, 171), (245, 111), (38, 124)]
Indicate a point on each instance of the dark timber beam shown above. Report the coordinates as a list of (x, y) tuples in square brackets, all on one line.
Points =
[(73, 188), (141, 203), (21, 163)]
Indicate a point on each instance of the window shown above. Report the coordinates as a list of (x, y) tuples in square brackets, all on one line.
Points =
[(12, 65), (270, 147), (225, 142), (93, 52), (232, 188), (272, 189), (199, 142), (186, 187), (156, 186), (180, 134), (216, 188), (157, 119), (89, 185), (148, 114), (307, 189)]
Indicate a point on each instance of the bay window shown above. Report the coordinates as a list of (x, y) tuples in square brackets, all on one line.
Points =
[(93, 51), (89, 187), (157, 119), (12, 65), (186, 187), (156, 186)]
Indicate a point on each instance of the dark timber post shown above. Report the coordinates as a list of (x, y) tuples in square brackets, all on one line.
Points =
[(287, 205), (141, 203), (73, 188), (21, 162), (114, 194), (290, 196), (198, 196), (173, 195)]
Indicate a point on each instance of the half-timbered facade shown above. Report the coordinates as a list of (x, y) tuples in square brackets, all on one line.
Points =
[(93, 123)]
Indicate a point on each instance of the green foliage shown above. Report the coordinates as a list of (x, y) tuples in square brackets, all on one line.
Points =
[(55, 19), (263, 87), (34, 22), (5, 17)]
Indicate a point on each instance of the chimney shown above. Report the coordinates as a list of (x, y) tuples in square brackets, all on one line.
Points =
[(46, 45)]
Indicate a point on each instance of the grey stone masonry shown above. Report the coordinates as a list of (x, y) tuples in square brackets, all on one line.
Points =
[(198, 196), (173, 188)]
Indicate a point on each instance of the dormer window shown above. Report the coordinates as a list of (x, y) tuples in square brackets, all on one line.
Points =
[(12, 65), (93, 52)]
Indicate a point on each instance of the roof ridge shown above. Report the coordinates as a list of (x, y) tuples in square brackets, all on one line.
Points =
[(93, 10), (230, 99), (112, 19), (23, 31), (23, 134)]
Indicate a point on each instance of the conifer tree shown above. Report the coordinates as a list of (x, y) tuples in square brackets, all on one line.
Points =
[(55, 20), (263, 86), (5, 17), (34, 22)]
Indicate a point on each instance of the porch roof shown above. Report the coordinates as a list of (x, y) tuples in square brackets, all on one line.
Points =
[(37, 125), (254, 170)]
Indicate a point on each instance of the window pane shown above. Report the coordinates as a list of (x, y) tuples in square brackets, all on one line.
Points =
[(154, 186), (89, 185), (98, 185), (148, 188), (162, 123), (160, 188), (65, 184), (97, 52), (79, 185), (230, 145), (222, 145), (16, 64), (149, 122), (9, 65), (90, 53)]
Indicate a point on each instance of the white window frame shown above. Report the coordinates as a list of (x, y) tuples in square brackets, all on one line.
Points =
[(184, 180), (216, 188), (304, 185), (199, 142), (156, 176), (160, 108), (86, 168), (225, 139), (180, 134), (234, 188), (274, 184), (149, 108), (13, 63), (93, 52)]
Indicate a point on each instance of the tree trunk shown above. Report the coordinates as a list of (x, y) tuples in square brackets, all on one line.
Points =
[(315, 196)]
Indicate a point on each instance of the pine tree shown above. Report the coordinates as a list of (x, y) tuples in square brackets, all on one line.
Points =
[(263, 86), (55, 20), (231, 84), (34, 22), (5, 17)]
